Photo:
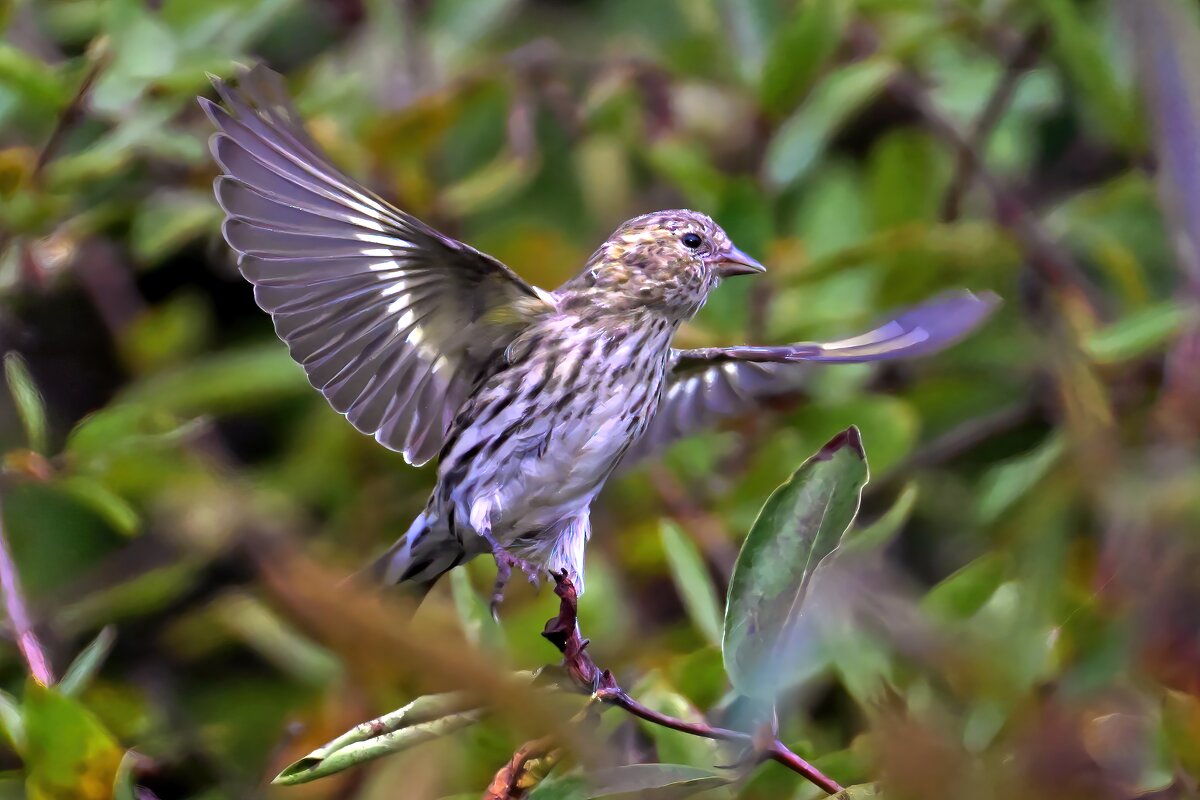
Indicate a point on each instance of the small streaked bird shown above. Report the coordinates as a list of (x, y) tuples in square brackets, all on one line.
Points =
[(530, 399)]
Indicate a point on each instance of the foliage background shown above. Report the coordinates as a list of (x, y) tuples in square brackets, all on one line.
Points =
[(1025, 623)]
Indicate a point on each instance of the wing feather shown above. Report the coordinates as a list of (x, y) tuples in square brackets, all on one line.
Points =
[(391, 320)]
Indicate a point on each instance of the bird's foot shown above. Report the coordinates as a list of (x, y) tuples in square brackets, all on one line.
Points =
[(505, 561)]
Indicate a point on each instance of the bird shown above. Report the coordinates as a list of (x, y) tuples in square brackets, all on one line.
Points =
[(530, 399)]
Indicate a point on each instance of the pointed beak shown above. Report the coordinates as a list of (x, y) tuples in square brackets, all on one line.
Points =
[(734, 262)]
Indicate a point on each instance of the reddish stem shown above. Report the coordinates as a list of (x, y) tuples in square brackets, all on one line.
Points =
[(563, 633)]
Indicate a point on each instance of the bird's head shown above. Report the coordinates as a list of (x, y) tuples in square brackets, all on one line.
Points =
[(666, 262)]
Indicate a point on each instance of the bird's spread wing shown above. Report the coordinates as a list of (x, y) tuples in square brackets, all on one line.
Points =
[(391, 320), (709, 384)]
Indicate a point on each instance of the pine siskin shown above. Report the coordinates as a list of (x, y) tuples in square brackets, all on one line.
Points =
[(529, 398)]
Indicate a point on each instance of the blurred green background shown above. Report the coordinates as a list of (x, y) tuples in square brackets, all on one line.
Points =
[(1023, 622)]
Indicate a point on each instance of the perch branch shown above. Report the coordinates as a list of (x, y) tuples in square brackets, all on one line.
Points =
[(1022, 58), (563, 632)]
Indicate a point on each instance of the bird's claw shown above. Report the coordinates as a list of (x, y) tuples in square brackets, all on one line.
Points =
[(505, 561)]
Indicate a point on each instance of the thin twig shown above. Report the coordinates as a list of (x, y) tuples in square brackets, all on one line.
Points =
[(18, 615), (66, 118), (1048, 260), (1017, 65), (563, 633)]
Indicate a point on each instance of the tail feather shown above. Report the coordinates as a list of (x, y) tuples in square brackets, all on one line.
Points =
[(422, 555)]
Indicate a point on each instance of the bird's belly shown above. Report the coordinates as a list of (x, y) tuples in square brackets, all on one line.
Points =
[(550, 473)]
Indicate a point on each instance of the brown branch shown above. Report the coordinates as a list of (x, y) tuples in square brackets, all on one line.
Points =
[(18, 615), (1049, 261), (1022, 58), (514, 780), (563, 632), (67, 117)]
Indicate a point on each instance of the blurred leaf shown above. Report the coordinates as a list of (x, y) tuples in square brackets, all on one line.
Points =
[(1141, 333), (804, 135), (692, 580), (1181, 724), (475, 615), (36, 82), (658, 781), (276, 639), (88, 663), (670, 746), (881, 532), (12, 722), (170, 219), (799, 50), (966, 591), (123, 786), (864, 791), (1006, 483), (1088, 63), (493, 184), (801, 523), (113, 508), (904, 178), (233, 380), (28, 400), (124, 427), (69, 754)]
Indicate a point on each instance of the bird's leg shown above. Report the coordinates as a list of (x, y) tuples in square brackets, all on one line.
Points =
[(505, 561)]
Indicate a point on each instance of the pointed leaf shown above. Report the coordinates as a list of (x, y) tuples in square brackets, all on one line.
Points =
[(317, 765), (801, 523), (28, 400), (85, 666), (803, 137), (692, 580)]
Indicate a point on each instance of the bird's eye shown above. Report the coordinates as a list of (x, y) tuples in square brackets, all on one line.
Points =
[(691, 240)]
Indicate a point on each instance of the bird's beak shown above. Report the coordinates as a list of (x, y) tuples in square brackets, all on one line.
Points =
[(734, 262)]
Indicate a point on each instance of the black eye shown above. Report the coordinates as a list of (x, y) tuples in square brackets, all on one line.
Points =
[(692, 240)]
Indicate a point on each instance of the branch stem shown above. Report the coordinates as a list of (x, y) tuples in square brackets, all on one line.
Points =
[(563, 633)]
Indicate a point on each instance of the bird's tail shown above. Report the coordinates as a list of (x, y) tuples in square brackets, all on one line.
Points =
[(423, 554)]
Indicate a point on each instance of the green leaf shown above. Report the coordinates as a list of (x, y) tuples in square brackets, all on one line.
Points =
[(798, 52), (658, 781), (85, 666), (170, 219), (1006, 483), (804, 136), (474, 614), (801, 523), (1088, 62), (115, 510), (68, 753), (966, 591), (1139, 334), (676, 747), (692, 580), (422, 720), (880, 532), (232, 380), (863, 791), (28, 400), (11, 721)]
